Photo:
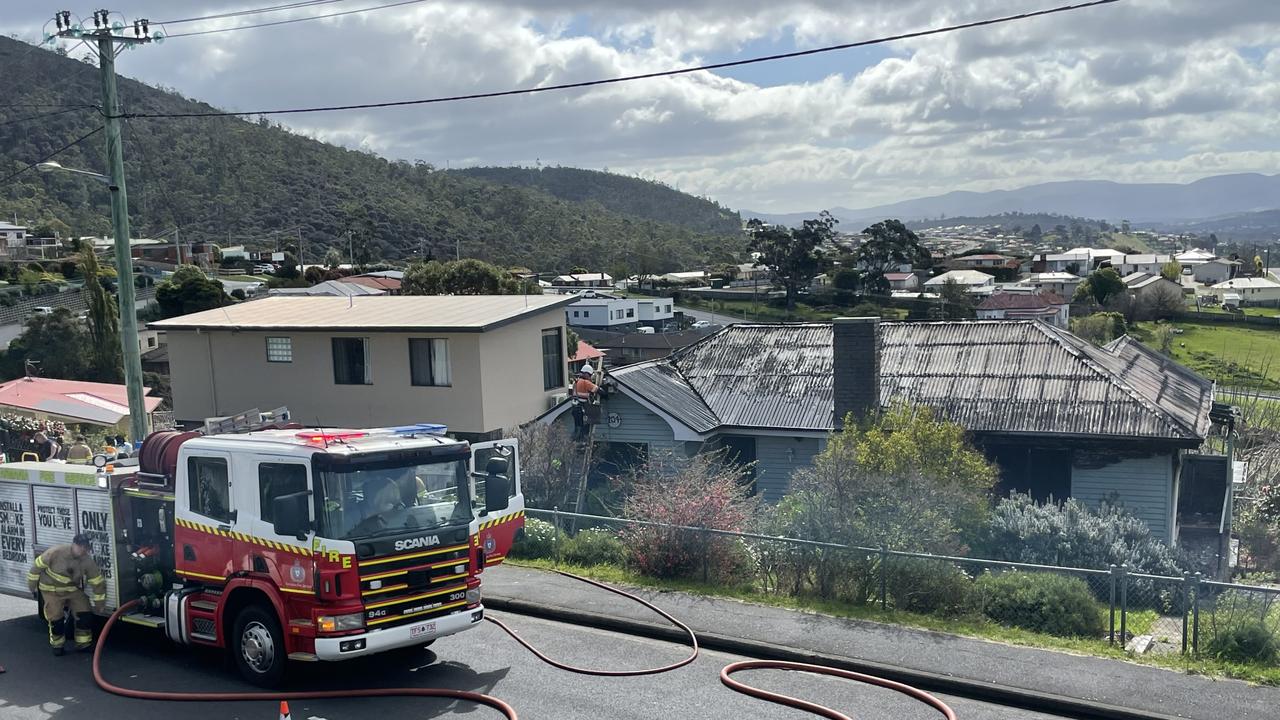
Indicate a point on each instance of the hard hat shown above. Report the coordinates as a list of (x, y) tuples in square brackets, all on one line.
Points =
[(586, 370)]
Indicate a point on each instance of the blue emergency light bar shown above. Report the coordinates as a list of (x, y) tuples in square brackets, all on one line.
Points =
[(420, 429)]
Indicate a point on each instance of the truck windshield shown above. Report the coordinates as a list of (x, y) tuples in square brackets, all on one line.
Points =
[(361, 501)]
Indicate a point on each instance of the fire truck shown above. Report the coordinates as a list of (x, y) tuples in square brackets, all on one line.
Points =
[(280, 544)]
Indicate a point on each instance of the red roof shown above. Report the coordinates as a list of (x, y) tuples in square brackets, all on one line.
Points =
[(1021, 301), (585, 352), (378, 283), (71, 400)]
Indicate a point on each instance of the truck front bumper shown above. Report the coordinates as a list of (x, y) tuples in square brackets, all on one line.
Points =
[(376, 641)]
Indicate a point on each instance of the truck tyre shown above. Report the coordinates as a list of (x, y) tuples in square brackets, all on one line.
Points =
[(257, 646)]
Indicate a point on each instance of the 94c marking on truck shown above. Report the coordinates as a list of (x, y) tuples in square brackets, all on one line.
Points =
[(418, 542)]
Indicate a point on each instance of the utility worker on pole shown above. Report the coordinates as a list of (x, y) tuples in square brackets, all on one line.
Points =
[(584, 394), (61, 575)]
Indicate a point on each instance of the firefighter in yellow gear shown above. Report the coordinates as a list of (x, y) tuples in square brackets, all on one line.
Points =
[(62, 575)]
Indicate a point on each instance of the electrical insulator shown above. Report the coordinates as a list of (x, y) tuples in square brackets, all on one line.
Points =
[(137, 29), (95, 19), (146, 29), (57, 17)]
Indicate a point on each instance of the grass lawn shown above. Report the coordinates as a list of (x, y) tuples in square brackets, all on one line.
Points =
[(1255, 311), (1137, 242), (246, 278), (976, 627), (1233, 356)]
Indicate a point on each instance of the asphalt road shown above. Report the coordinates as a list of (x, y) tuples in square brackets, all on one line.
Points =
[(715, 318), (39, 686)]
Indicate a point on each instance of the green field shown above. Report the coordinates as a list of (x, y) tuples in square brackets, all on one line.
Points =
[(764, 312), (1230, 355), (246, 278)]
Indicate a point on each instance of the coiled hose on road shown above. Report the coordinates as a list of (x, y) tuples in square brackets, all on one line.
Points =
[(506, 709)]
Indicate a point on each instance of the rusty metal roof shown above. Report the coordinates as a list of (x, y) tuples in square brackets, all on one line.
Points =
[(1006, 377)]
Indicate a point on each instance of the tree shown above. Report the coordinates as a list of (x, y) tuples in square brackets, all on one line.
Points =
[(423, 278), (57, 345), (1100, 328), (1160, 302), (791, 255), (888, 245), (1101, 285), (314, 275), (472, 277), (1172, 271), (1257, 265), (1035, 234), (1164, 338), (104, 320), (957, 303), (464, 277), (547, 475), (1125, 248), (188, 291), (332, 259)]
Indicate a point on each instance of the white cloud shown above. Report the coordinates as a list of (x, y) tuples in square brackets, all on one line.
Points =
[(1150, 90)]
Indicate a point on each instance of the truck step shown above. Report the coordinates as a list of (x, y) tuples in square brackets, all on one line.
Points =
[(204, 637), (137, 618), (205, 605), (304, 657)]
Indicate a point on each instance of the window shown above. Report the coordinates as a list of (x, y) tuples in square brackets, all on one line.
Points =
[(552, 359), (276, 480), (209, 487), (279, 349), (631, 313), (351, 361), (575, 313), (429, 362)]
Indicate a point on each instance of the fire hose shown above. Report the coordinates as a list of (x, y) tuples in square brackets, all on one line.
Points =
[(506, 709)]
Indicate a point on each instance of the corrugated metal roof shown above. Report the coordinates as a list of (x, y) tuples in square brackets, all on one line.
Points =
[(990, 376), (412, 313)]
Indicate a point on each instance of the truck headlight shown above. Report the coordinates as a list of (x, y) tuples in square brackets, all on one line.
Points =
[(473, 596), (338, 623)]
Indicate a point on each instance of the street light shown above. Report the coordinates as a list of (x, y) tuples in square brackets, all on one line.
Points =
[(54, 166)]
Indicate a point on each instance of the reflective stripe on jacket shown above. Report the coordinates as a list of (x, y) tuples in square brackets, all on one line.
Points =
[(58, 570)]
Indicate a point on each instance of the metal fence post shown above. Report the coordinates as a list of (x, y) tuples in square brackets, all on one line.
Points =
[(1111, 607), (706, 552), (555, 535), (1124, 605), (884, 571), (1195, 614), (1186, 610)]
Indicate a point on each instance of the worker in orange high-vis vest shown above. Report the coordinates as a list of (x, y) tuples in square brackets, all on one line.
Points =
[(61, 576), (584, 392)]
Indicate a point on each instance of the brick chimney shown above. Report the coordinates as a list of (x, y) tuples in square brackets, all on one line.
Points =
[(855, 366)]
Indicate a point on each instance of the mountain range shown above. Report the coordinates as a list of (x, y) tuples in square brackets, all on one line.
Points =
[(235, 181), (1167, 204)]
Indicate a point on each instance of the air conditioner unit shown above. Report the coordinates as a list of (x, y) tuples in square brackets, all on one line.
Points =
[(556, 399)]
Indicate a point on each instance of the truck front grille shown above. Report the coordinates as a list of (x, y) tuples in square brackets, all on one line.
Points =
[(414, 586)]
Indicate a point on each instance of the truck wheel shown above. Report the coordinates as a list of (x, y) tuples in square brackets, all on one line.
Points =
[(257, 646)]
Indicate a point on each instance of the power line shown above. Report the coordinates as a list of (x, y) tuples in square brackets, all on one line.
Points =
[(54, 154), (644, 76), (303, 19), (255, 11), (63, 111)]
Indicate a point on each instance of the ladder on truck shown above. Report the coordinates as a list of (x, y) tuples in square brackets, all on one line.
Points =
[(247, 421)]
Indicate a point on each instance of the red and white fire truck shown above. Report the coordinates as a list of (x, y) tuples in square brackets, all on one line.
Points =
[(282, 544)]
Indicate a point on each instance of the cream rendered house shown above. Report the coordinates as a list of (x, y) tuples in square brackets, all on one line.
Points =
[(478, 364)]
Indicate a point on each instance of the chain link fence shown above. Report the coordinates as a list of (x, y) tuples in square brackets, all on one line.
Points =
[(1145, 613)]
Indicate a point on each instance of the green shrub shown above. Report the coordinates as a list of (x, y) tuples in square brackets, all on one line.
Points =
[(1041, 602), (1248, 642), (594, 546), (538, 541), (928, 586)]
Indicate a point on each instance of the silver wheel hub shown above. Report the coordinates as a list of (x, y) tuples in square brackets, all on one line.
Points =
[(257, 647)]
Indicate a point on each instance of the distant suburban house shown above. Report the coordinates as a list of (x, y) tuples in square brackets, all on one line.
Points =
[(1194, 256), (1044, 306), (1212, 272), (750, 272), (13, 240), (987, 260), (1251, 290), (388, 282), (1146, 263), (585, 354), (972, 281), (1078, 261), (600, 280), (329, 288), (625, 348), (903, 280), (691, 277), (71, 401), (1062, 284), (1143, 284), (1060, 416), (599, 310), (477, 363)]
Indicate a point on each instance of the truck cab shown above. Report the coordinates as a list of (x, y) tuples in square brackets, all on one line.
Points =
[(318, 545)]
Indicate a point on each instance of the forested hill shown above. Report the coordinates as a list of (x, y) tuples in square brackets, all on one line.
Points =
[(230, 181), (638, 198)]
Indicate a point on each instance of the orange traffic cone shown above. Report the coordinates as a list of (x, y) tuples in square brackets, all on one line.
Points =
[(284, 710)]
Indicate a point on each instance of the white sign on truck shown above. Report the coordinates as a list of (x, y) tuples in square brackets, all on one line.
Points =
[(46, 504)]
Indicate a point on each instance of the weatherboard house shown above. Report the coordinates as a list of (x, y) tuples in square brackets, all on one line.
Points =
[(1059, 416)]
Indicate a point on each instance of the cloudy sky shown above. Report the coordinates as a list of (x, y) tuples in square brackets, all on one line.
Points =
[(1141, 91)]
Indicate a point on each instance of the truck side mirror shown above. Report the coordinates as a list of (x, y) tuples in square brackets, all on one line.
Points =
[(497, 488), (290, 516)]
